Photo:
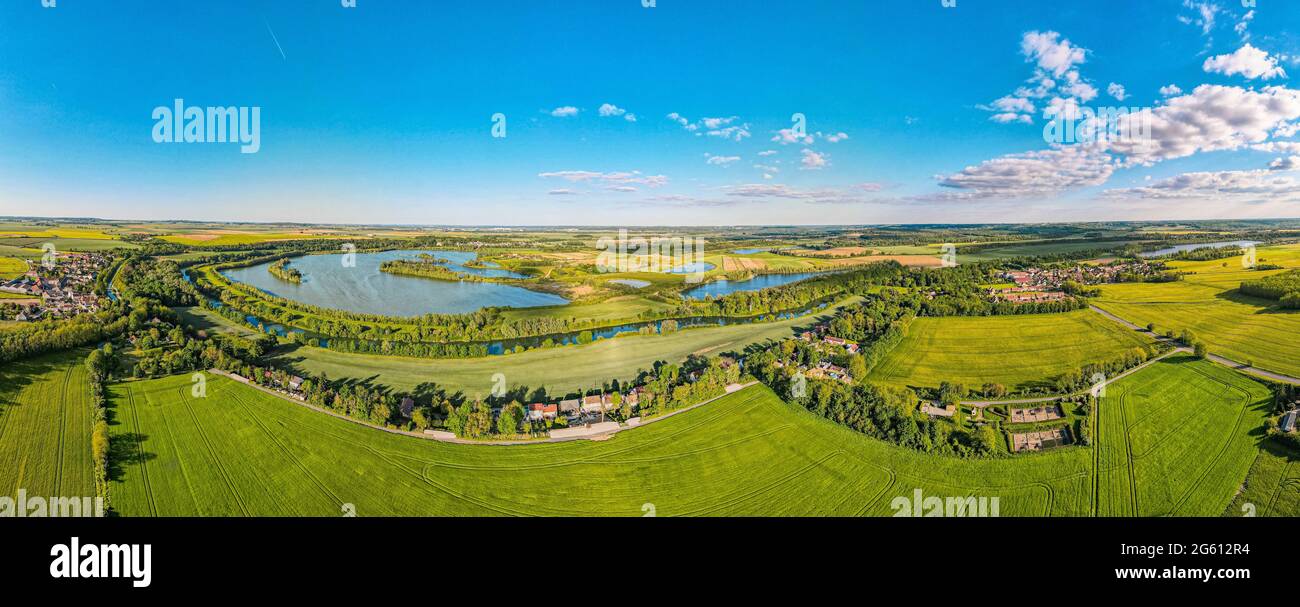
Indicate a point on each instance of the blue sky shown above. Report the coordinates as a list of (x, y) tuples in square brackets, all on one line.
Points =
[(382, 113)]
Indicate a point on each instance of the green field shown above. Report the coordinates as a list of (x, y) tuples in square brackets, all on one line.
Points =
[(559, 370), (614, 309), (1177, 441), (204, 319), (1273, 486), (1241, 328), (12, 267), (45, 424), (67, 244), (1184, 447), (1035, 248), (1022, 351)]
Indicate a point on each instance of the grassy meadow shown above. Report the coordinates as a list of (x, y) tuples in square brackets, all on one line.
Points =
[(1183, 450), (559, 370), (1022, 351)]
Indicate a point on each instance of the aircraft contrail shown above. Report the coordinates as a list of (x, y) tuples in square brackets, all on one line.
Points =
[(277, 40)]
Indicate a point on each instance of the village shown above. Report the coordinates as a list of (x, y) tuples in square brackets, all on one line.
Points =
[(1035, 285), (61, 290)]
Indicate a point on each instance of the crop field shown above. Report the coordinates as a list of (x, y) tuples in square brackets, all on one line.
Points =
[(12, 267), (1035, 248), (228, 237), (1177, 439), (242, 451), (1245, 329), (559, 370), (1273, 485), (1016, 351), (45, 426)]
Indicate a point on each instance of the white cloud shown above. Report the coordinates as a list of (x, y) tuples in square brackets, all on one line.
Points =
[(1278, 147), (788, 136), (609, 109), (714, 127), (720, 160), (1210, 118), (1287, 163), (1051, 53), (1247, 61), (734, 132), (564, 111), (836, 137), (1117, 91), (1032, 173), (813, 161), (1217, 185), (614, 178), (1170, 90), (1241, 26), (563, 192), (682, 121), (1204, 17), (767, 153)]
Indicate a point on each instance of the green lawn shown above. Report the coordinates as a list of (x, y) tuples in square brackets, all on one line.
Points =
[(1186, 445), (1242, 328), (1015, 351), (559, 370), (45, 424)]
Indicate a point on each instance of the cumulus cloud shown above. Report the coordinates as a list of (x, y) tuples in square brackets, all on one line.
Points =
[(1208, 119), (1117, 91), (1216, 185), (1170, 90), (1278, 147), (767, 153), (1288, 163), (813, 161), (720, 160), (1051, 53), (835, 137), (1056, 75), (1247, 61), (789, 136), (564, 111), (1031, 173), (611, 110), (724, 128)]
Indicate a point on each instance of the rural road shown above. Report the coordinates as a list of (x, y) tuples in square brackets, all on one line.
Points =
[(1227, 362)]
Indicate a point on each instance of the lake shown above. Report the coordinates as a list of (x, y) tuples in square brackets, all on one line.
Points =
[(1203, 245), (719, 288), (364, 289)]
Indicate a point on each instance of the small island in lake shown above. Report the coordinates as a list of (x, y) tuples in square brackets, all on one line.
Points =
[(427, 266), (281, 270)]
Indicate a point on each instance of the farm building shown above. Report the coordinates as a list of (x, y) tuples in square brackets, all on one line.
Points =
[(1288, 420)]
